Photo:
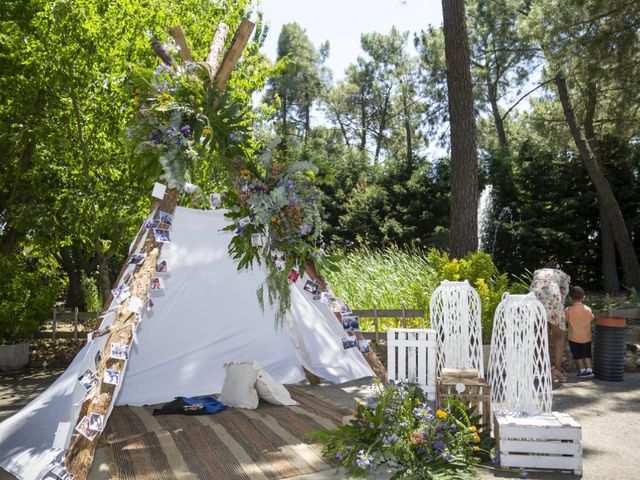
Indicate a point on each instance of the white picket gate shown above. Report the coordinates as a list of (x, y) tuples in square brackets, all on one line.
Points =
[(411, 356)]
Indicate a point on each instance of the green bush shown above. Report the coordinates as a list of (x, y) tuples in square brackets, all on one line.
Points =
[(28, 291), (91, 294)]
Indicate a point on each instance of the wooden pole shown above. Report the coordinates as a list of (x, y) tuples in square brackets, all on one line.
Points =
[(181, 41), (80, 454), (234, 53)]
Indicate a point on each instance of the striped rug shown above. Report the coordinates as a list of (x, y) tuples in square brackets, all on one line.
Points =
[(266, 443)]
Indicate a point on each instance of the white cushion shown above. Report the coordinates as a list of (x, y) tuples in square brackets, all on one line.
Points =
[(238, 389), (272, 391)]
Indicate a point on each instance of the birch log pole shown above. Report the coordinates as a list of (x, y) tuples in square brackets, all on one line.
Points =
[(80, 454)]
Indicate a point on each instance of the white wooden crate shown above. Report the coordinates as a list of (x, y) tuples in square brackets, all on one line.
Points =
[(411, 355), (546, 441)]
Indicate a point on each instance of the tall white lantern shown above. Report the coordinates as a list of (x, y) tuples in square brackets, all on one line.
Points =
[(519, 364), (454, 311)]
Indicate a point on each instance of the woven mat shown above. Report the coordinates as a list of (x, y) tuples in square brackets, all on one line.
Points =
[(267, 443)]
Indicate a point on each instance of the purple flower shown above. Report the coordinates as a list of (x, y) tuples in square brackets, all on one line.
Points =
[(170, 131), (155, 137), (448, 457), (185, 130), (340, 456), (421, 451), (438, 446), (363, 461), (390, 440), (496, 459), (305, 229)]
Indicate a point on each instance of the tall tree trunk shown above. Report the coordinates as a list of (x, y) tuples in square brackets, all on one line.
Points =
[(407, 131), (69, 263), (381, 126), (611, 283), (285, 112), (463, 234), (363, 124), (606, 198), (307, 116), (498, 122)]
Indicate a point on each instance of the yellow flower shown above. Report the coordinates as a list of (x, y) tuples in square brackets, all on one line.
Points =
[(473, 429), (476, 437), (244, 173), (138, 91), (206, 131), (198, 102), (441, 414), (476, 448), (273, 219)]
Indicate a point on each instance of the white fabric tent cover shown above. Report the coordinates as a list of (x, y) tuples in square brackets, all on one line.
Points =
[(206, 315)]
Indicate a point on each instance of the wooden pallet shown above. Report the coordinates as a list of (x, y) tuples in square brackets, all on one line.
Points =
[(466, 385), (411, 356), (549, 441)]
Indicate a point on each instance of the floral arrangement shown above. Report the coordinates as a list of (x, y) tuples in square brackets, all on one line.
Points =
[(183, 122), (277, 218), (401, 431)]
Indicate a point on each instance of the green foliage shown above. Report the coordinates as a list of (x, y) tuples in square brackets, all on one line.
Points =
[(400, 431), (92, 302), (28, 291), (391, 278)]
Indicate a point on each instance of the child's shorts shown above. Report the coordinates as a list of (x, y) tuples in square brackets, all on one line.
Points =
[(580, 350)]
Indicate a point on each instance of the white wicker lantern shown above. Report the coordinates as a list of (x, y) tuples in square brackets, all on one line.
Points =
[(454, 311), (519, 365)]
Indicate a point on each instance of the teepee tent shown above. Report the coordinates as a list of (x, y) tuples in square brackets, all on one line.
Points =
[(206, 314)]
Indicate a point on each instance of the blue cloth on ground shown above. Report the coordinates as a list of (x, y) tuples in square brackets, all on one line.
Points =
[(205, 405)]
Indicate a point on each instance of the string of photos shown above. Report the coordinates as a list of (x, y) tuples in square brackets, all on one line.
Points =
[(185, 127)]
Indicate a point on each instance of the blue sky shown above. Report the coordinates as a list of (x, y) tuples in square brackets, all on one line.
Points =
[(343, 21)]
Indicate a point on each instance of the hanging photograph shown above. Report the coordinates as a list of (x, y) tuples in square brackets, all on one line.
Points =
[(112, 377), (311, 287), (137, 258), (88, 380), (61, 472), (157, 283), (83, 429), (256, 240), (120, 293), (215, 199), (350, 322), (96, 422), (119, 351), (152, 223), (135, 305), (363, 345), (161, 236), (166, 218), (148, 304), (325, 297), (345, 310), (162, 267), (349, 342), (158, 191)]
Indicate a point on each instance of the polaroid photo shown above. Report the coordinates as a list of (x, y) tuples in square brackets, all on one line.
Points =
[(137, 259), (244, 221), (135, 305), (277, 255), (96, 422), (350, 322), (349, 342), (148, 304), (61, 472), (161, 235), (157, 283), (127, 278), (152, 223), (162, 267), (112, 377), (363, 345), (83, 429), (293, 275), (120, 293), (166, 218), (189, 188), (280, 265), (88, 380), (256, 240), (158, 190), (325, 297), (119, 351), (311, 287), (215, 199), (345, 310)]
